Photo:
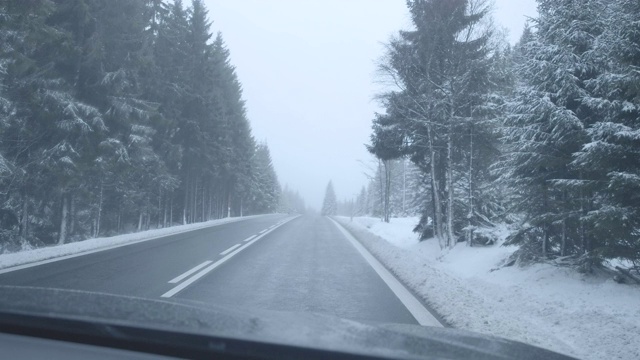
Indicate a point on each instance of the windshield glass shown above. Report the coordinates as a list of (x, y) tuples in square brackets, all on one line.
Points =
[(348, 165)]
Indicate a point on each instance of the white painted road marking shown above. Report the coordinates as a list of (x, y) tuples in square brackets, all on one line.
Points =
[(230, 249), (250, 237), (183, 276), (211, 267), (263, 231), (415, 307)]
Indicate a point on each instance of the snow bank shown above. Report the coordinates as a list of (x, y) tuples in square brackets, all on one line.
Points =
[(99, 244), (589, 317)]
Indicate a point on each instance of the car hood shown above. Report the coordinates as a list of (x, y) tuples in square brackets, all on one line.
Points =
[(308, 330)]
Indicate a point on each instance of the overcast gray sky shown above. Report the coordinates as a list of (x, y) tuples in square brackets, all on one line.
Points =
[(308, 73)]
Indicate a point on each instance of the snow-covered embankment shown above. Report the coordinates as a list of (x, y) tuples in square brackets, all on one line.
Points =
[(589, 317)]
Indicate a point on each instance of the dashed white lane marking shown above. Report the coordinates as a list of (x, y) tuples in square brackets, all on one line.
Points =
[(183, 276), (250, 237), (263, 231), (230, 249), (415, 307), (211, 267)]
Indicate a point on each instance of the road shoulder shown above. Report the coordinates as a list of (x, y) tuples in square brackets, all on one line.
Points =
[(419, 308)]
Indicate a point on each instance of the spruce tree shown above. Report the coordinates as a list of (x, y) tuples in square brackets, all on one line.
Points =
[(119, 115), (611, 156), (443, 69), (330, 202), (265, 188), (546, 126)]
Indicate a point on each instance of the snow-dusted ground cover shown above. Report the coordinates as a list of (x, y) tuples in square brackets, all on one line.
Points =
[(589, 317), (99, 244)]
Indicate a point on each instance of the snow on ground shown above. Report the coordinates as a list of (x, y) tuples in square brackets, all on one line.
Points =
[(99, 244), (589, 317)]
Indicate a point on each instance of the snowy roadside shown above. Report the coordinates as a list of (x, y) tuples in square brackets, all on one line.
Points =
[(586, 317), (54, 253)]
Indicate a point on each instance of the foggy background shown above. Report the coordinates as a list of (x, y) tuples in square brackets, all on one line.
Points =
[(309, 74)]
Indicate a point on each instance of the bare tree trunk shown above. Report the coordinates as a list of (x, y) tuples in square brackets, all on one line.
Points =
[(24, 221), (164, 211), (471, 210), (160, 207), (72, 215), (583, 237), (65, 219), (229, 205), (437, 205), (204, 218), (186, 202), (404, 187), (119, 221), (194, 202), (171, 210), (563, 245), (450, 222), (210, 210), (100, 200), (381, 176), (387, 189), (545, 205), (140, 220)]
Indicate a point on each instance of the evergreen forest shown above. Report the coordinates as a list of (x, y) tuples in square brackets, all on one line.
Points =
[(120, 116), (543, 135)]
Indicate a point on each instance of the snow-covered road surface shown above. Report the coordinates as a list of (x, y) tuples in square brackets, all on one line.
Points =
[(305, 266), (279, 262)]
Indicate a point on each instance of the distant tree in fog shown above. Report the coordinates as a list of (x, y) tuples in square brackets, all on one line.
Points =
[(330, 203)]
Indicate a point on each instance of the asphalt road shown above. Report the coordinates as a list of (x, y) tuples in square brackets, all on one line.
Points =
[(276, 262)]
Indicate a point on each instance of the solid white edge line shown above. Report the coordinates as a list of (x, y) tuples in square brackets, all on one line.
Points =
[(179, 278), (249, 238), (230, 249), (415, 307), (211, 267), (115, 246)]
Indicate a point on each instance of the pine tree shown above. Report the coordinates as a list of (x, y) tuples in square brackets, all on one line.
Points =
[(330, 202), (443, 70), (361, 203), (546, 126), (238, 146), (611, 156), (119, 114), (265, 188)]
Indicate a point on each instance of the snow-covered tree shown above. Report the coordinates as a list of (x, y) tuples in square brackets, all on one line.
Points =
[(330, 202), (442, 69), (117, 115), (547, 124), (265, 189), (610, 159)]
